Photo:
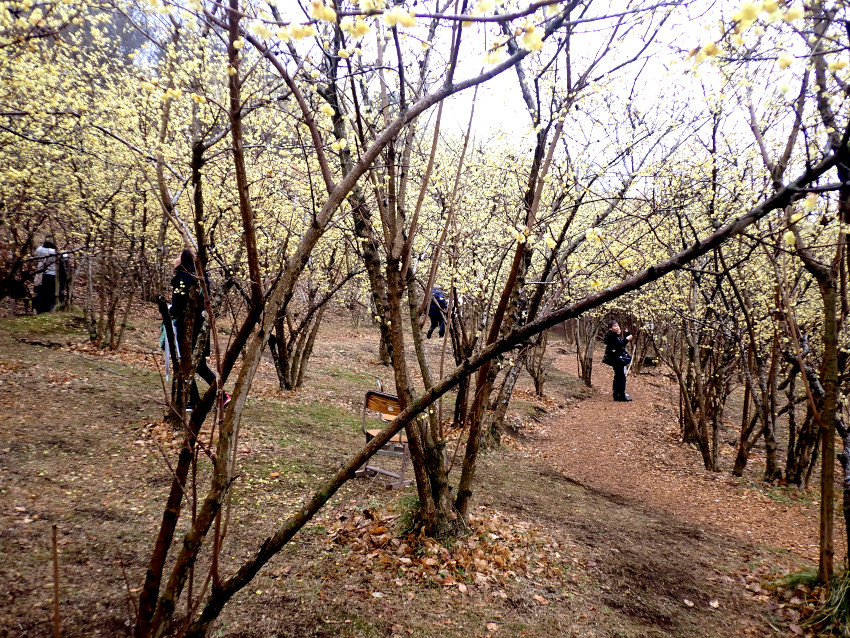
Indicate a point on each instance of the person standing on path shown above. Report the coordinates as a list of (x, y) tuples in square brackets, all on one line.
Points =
[(184, 282), (45, 291), (617, 357)]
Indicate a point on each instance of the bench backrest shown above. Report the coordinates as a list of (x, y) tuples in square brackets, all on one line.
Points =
[(387, 405)]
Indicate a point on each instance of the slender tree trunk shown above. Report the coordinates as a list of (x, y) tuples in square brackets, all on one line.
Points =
[(827, 427)]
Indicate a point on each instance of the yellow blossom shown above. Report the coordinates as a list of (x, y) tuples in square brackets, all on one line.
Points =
[(339, 144), (811, 202), (837, 65), (785, 61), (789, 238), (148, 86), (301, 31), (495, 56), (711, 49), (360, 28), (321, 11), (327, 109), (483, 7), (200, 99), (399, 15), (532, 39), (261, 30), (750, 10), (238, 44), (552, 9), (594, 234), (797, 217), (793, 13)]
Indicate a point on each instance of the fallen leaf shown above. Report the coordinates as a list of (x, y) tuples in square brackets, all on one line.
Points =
[(540, 599), (795, 629), (491, 626), (274, 474), (463, 589), (714, 603), (688, 603), (378, 594)]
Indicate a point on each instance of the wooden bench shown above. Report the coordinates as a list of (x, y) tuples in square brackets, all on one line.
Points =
[(387, 408)]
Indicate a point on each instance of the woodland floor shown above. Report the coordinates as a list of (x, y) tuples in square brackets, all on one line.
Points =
[(592, 520)]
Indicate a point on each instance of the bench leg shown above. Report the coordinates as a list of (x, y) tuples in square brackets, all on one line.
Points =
[(402, 483)]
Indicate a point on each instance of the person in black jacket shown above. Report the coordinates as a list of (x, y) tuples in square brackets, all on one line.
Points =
[(437, 310), (615, 346), (183, 284)]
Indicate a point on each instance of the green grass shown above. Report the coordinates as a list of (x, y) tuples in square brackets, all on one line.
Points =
[(319, 415), (69, 323), (808, 577), (361, 378), (784, 495), (835, 612), (299, 423)]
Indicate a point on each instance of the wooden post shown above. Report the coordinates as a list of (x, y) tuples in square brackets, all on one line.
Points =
[(56, 626)]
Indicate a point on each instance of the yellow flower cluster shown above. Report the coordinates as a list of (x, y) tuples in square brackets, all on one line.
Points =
[(811, 202), (296, 32), (483, 7), (750, 11), (520, 235), (356, 28), (594, 234), (320, 11), (339, 144), (400, 16), (261, 30), (371, 5), (531, 38)]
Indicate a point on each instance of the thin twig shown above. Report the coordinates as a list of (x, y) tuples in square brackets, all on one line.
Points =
[(56, 625)]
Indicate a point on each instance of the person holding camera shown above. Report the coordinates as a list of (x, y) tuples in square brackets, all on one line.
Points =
[(616, 356)]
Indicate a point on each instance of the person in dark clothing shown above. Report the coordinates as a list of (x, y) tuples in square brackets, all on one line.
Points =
[(615, 346), (45, 291), (183, 284), (437, 312)]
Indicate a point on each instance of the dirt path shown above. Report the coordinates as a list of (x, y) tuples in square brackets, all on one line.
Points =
[(631, 450)]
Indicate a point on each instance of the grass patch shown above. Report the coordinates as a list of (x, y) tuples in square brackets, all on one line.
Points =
[(70, 323), (808, 577), (320, 415), (310, 417), (360, 378), (567, 385), (527, 410), (784, 495), (835, 612)]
